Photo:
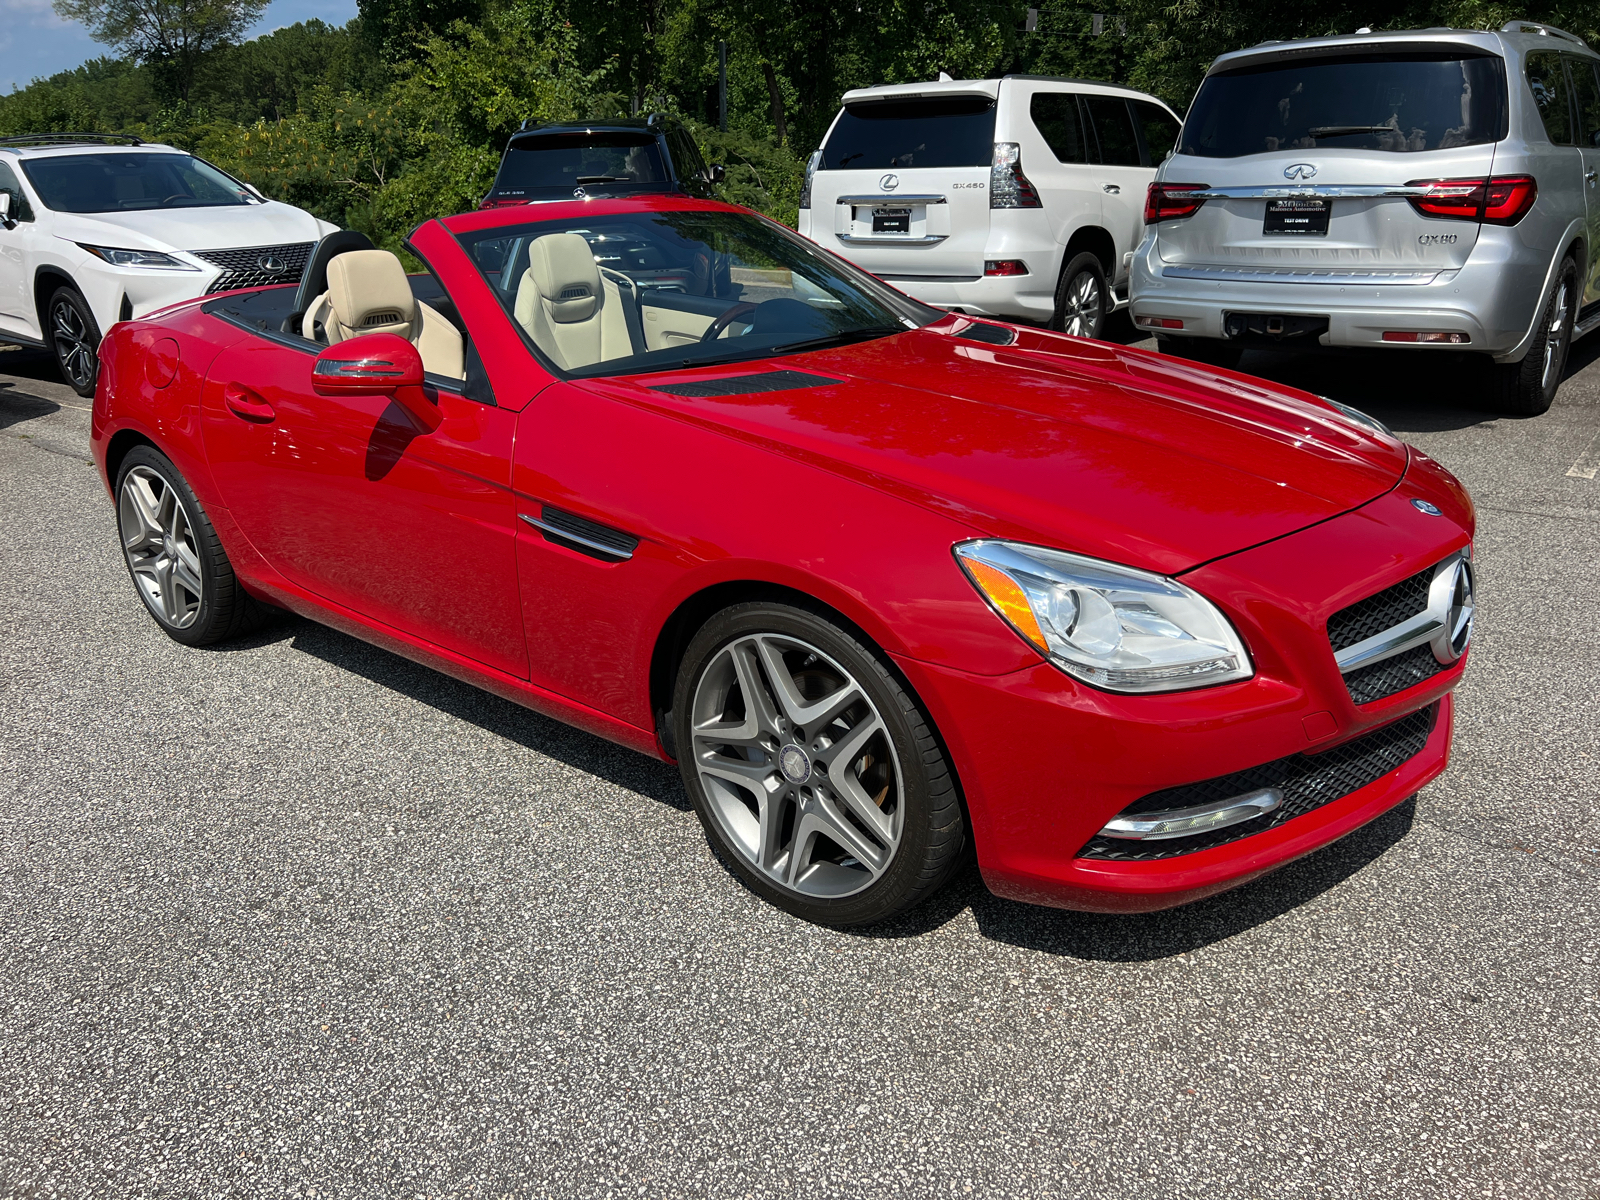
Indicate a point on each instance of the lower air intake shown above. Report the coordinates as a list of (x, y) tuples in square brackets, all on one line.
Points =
[(1308, 781)]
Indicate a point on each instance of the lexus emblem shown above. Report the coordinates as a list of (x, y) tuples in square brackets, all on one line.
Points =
[(889, 182), (1452, 599), (271, 264), (1299, 171)]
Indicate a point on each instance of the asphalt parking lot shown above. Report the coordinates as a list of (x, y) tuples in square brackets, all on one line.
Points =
[(295, 917)]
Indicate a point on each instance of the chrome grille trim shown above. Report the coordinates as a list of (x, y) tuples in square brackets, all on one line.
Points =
[(1348, 275), (1443, 627)]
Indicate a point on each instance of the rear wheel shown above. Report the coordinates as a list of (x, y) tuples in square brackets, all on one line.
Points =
[(1528, 388), (816, 774), (177, 563), (1082, 301), (76, 339), (1213, 352)]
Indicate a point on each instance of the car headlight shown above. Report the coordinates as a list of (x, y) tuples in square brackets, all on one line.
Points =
[(152, 259), (1359, 417), (1114, 627)]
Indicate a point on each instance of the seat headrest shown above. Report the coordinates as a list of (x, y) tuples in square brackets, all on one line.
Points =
[(564, 271), (369, 293)]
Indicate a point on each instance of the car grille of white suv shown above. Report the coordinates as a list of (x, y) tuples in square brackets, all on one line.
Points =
[(257, 266)]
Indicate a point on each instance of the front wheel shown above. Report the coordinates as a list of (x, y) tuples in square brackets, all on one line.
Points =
[(816, 774), (76, 339), (178, 565), (1081, 298), (1528, 388)]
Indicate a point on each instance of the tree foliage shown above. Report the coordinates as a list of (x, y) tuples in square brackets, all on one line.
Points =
[(171, 36)]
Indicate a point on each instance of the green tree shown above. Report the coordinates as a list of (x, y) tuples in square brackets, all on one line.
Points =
[(171, 36)]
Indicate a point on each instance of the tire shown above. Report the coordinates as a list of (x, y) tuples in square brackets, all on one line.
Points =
[(1213, 352), (1082, 300), (1528, 388), (178, 566), (75, 337), (851, 824)]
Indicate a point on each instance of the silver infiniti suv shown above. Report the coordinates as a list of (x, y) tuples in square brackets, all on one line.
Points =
[(1427, 191)]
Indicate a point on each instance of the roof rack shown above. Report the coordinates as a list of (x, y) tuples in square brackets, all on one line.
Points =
[(68, 139), (1520, 26)]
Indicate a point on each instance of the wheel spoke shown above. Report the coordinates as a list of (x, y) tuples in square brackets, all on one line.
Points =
[(770, 850), (830, 821), (758, 777), (185, 575), (805, 714), (169, 599), (139, 504), (759, 705)]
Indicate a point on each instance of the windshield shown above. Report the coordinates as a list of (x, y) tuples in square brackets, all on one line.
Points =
[(111, 182), (564, 161), (610, 295), (902, 134), (1401, 103)]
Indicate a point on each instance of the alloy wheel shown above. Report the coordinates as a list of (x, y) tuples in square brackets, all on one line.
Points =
[(161, 547), (1081, 307), (1555, 340), (797, 766), (75, 349)]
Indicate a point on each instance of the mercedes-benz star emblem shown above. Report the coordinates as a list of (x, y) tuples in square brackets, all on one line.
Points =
[(795, 764), (1299, 171), (1456, 606), (1422, 506), (889, 182), (271, 264)]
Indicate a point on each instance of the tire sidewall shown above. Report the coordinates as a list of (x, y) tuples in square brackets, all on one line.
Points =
[(1077, 266), (1568, 275), (200, 630), (73, 297), (889, 894)]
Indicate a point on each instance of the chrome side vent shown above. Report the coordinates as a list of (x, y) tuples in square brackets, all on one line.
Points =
[(583, 535)]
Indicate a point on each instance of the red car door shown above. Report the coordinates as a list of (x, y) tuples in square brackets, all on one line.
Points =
[(345, 497)]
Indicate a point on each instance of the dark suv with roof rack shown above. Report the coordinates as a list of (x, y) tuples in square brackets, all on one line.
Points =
[(621, 157)]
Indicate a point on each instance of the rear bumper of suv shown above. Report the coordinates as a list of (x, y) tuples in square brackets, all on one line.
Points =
[(1492, 299)]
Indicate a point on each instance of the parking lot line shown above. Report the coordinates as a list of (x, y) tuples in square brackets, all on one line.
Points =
[(1588, 462)]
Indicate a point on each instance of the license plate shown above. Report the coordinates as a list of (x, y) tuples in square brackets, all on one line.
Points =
[(891, 220), (1302, 216)]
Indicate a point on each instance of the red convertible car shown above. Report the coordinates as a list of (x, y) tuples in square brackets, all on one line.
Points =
[(885, 581)]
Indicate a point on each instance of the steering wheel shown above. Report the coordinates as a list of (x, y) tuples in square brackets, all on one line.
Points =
[(714, 330), (175, 196)]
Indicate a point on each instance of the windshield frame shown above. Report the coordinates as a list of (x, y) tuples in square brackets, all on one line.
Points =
[(911, 314), (247, 194), (1348, 56)]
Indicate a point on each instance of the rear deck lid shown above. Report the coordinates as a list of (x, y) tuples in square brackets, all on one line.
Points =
[(1299, 151)]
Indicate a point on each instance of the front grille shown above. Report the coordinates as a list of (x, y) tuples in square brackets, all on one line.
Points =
[(1308, 781), (1392, 675), (1377, 613), (242, 268)]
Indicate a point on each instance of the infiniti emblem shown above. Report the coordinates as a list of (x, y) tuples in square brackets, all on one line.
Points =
[(271, 264), (1299, 171), (795, 764), (889, 182), (1456, 606)]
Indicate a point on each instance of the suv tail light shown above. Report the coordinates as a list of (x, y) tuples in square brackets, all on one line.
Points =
[(1169, 201), (811, 172), (1502, 200), (1008, 187)]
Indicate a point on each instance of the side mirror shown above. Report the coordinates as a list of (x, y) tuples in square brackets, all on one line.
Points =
[(377, 364), (5, 209), (719, 173)]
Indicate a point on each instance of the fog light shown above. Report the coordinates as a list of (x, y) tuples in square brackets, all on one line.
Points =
[(1157, 322), (1186, 822), (1005, 266), (1413, 335)]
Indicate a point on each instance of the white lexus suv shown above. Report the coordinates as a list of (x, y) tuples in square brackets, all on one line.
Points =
[(1020, 197), (97, 229)]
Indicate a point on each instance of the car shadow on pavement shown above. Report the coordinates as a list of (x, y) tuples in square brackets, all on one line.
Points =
[(657, 780), (29, 362), (17, 407)]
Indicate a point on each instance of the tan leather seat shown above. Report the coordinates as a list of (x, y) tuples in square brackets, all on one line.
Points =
[(573, 313), (368, 292)]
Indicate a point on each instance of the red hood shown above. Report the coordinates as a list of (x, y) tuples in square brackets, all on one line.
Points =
[(1111, 452)]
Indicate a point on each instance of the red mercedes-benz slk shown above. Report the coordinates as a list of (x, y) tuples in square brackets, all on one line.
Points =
[(882, 579)]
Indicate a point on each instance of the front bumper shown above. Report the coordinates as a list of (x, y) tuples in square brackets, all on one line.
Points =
[(1045, 762), (1492, 299)]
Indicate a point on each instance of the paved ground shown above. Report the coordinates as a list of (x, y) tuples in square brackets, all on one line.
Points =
[(296, 918)]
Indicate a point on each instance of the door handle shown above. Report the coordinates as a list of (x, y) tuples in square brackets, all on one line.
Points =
[(244, 403), (1111, 188)]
